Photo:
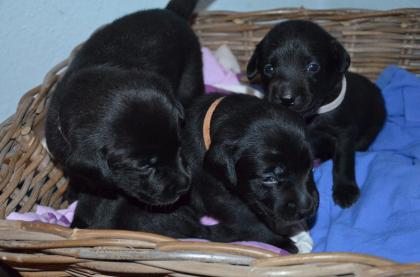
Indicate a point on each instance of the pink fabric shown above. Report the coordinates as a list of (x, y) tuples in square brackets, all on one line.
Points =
[(62, 217), (214, 73), (264, 246), (208, 221), (256, 244)]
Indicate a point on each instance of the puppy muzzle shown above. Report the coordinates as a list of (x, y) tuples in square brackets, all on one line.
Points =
[(289, 94)]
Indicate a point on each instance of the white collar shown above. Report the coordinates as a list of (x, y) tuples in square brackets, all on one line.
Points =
[(337, 101)]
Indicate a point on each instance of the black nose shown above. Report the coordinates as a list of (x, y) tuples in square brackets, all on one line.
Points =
[(305, 213), (287, 100), (294, 212)]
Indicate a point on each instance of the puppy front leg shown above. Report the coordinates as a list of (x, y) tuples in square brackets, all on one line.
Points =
[(345, 189), (240, 224)]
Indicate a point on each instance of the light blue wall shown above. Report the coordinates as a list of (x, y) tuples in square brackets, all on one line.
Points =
[(37, 34)]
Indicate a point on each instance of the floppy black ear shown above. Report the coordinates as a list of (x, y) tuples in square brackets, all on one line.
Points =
[(220, 161), (88, 164), (252, 67), (341, 55)]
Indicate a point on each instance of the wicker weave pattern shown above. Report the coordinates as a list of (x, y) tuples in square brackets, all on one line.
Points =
[(374, 39), (28, 176), (58, 251)]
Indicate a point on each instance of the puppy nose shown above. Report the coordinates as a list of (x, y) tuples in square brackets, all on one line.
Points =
[(308, 210), (291, 205), (305, 213), (298, 213), (291, 209), (287, 100)]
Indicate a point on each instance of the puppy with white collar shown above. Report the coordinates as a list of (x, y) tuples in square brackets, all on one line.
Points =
[(304, 68)]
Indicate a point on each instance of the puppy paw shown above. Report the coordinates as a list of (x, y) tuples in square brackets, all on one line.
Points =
[(346, 195), (290, 247), (286, 244), (79, 223)]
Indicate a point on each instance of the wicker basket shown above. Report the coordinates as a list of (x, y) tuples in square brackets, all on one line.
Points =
[(28, 176)]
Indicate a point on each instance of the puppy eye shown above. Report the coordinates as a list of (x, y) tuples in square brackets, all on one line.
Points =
[(279, 170), (149, 166), (268, 69), (313, 67), (269, 180), (144, 168), (153, 161)]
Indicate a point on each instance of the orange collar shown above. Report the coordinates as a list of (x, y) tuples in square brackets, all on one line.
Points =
[(207, 121)]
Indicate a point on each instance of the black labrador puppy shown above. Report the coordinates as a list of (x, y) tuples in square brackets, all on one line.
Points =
[(304, 68), (256, 176), (114, 118)]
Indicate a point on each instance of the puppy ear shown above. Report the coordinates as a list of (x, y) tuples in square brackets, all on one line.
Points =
[(88, 164), (341, 56), (220, 161), (252, 67)]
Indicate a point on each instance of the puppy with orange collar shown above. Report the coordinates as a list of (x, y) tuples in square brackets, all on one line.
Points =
[(251, 169)]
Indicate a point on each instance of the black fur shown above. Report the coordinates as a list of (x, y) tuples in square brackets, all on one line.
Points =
[(256, 177), (8, 271), (114, 118), (282, 60), (252, 140), (105, 211)]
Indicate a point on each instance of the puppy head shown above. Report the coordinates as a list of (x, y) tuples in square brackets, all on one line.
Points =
[(135, 148), (269, 166), (299, 64)]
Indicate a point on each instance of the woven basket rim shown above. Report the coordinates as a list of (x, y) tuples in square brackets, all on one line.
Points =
[(309, 11), (31, 246), (75, 247)]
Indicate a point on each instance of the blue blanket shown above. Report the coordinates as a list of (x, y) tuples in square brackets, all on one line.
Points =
[(386, 220)]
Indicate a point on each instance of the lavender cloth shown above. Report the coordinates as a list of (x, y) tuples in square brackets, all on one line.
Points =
[(219, 74), (209, 221), (214, 73), (256, 244), (62, 217)]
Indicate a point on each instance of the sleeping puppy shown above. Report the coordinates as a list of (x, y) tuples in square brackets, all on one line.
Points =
[(114, 118), (304, 68), (256, 176)]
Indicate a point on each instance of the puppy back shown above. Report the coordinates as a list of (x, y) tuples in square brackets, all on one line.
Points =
[(183, 8)]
